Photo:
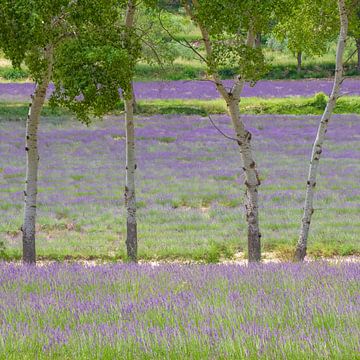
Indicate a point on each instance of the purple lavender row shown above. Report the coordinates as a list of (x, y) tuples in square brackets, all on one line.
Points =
[(274, 311), (205, 89)]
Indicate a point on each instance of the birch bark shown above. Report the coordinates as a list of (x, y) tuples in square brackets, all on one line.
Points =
[(243, 136), (32, 160), (130, 199), (301, 248)]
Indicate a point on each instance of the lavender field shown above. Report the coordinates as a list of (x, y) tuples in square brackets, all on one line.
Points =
[(273, 311), (190, 187), (205, 89)]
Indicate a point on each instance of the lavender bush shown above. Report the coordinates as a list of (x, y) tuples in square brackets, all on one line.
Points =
[(274, 311), (205, 89), (190, 187)]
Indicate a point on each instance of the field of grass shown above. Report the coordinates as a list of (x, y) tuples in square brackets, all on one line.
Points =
[(190, 187), (282, 65), (10, 111), (273, 311)]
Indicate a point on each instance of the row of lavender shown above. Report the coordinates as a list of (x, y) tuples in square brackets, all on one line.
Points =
[(189, 178), (204, 89), (277, 311)]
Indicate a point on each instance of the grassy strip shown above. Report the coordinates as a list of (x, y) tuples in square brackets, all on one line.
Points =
[(286, 106), (316, 70), (185, 71)]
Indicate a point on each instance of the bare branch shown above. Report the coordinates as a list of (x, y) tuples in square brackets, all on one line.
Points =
[(350, 57), (220, 131), (187, 44)]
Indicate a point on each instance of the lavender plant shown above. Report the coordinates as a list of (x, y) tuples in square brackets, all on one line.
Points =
[(282, 311), (196, 212)]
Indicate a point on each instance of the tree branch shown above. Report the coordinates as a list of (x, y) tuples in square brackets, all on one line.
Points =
[(187, 44), (220, 131)]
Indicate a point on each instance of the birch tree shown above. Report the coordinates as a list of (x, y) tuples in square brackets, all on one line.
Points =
[(130, 199), (228, 32), (63, 41), (143, 40), (300, 252)]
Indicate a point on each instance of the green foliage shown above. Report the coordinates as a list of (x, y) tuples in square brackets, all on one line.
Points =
[(231, 26), (13, 73), (234, 52), (2, 250), (320, 101), (101, 64), (93, 57), (354, 18), (309, 27)]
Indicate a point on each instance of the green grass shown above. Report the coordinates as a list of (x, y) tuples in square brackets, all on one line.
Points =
[(184, 70), (290, 106), (185, 234)]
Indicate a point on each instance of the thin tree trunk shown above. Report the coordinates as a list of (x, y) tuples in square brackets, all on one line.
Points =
[(258, 41), (32, 159), (130, 199), (252, 182), (135, 105), (243, 136), (358, 55), (299, 62), (300, 252)]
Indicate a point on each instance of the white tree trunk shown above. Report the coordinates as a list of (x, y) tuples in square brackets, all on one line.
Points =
[(130, 199), (32, 159), (252, 181), (300, 252)]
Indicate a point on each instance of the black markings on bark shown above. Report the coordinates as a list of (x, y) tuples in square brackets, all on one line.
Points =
[(248, 136)]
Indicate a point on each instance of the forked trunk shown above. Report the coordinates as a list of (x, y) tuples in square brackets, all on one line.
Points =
[(243, 137), (32, 160), (252, 182), (300, 252)]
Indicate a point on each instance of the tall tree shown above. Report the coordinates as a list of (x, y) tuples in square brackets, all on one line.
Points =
[(309, 28), (144, 40), (63, 41), (130, 199), (228, 32), (300, 252)]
